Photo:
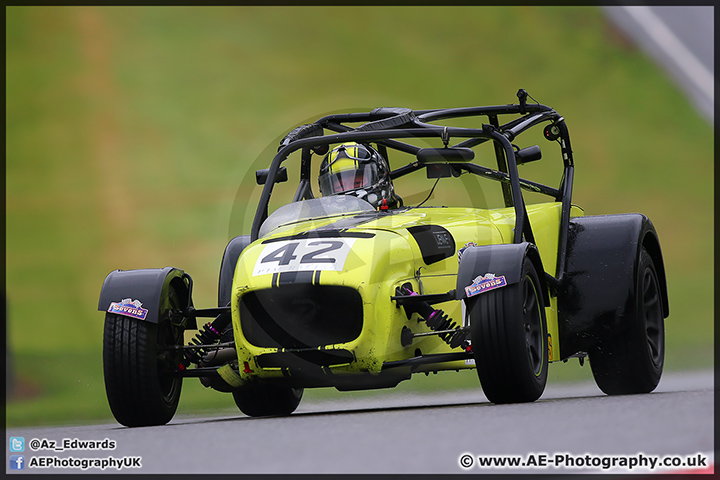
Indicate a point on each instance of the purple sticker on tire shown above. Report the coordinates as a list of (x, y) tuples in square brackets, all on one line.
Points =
[(485, 283), (129, 308)]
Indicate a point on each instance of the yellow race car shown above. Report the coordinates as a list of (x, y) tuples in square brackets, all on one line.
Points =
[(409, 243)]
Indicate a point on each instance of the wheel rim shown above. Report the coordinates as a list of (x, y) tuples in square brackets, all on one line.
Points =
[(532, 323), (168, 358), (167, 361), (652, 314)]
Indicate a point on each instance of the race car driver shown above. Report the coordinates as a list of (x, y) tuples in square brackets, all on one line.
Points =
[(359, 170)]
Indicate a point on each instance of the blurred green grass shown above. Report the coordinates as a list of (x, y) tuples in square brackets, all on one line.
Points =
[(130, 131)]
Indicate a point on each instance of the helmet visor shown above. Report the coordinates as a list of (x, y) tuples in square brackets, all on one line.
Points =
[(347, 174)]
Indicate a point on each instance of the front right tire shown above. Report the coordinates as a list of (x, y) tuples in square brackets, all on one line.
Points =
[(509, 339)]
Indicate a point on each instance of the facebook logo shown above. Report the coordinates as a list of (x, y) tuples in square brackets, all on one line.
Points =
[(17, 462), (17, 444)]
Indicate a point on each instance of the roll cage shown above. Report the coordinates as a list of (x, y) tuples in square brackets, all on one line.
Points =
[(384, 126)]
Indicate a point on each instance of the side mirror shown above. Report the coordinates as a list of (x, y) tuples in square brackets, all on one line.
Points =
[(528, 154), (261, 176)]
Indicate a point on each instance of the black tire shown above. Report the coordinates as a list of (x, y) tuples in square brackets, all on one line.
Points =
[(509, 339), (139, 384), (261, 399), (632, 361)]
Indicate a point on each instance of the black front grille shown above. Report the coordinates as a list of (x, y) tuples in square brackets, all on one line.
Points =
[(303, 359), (301, 315)]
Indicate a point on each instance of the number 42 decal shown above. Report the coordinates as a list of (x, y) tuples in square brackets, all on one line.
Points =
[(300, 255)]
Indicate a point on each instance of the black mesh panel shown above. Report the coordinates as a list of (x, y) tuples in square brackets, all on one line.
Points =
[(301, 315)]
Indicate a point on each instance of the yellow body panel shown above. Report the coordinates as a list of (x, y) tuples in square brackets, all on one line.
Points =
[(376, 266)]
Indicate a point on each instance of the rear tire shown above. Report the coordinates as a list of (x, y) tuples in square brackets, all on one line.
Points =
[(509, 339), (139, 384), (260, 399), (632, 361)]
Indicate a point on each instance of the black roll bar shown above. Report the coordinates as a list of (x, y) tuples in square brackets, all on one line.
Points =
[(384, 125), (488, 131)]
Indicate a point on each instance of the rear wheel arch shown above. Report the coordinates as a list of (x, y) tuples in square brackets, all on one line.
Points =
[(596, 289), (534, 255), (232, 253)]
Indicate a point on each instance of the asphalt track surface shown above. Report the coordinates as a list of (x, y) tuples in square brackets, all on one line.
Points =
[(426, 433)]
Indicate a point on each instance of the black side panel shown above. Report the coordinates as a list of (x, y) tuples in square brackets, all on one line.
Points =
[(227, 267), (146, 286), (435, 242), (598, 288)]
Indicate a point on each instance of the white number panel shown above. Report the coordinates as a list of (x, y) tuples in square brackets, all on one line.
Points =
[(300, 255)]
